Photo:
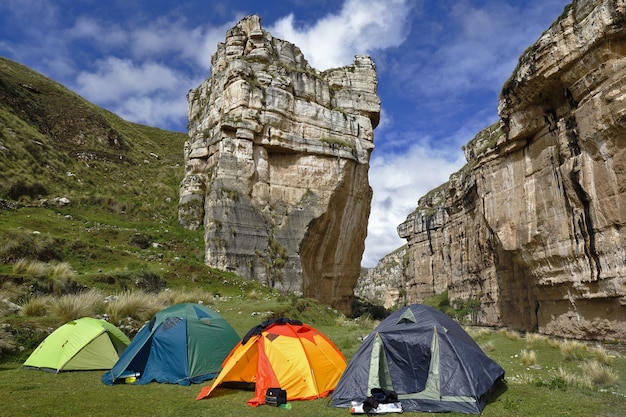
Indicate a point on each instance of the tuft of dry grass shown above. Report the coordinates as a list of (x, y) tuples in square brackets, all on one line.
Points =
[(74, 306), (488, 346), (510, 334), (602, 355), (523, 378), (35, 269), (572, 349), (19, 267), (178, 296), (570, 378), (599, 374), (554, 343), (62, 271), (484, 331), (529, 357), (343, 321), (532, 339), (136, 305), (61, 274), (36, 306), (367, 322), (477, 333)]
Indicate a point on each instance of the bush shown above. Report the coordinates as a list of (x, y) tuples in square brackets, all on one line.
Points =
[(24, 188), (532, 339), (140, 240), (30, 267), (572, 349), (150, 282), (529, 357), (62, 271), (601, 355), (599, 374), (136, 305), (74, 306), (488, 346), (7, 343), (362, 307), (36, 307), (16, 245)]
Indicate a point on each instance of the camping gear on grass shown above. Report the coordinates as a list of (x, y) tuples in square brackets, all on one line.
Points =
[(282, 353), (427, 358), (84, 344), (381, 401), (182, 344), (275, 396)]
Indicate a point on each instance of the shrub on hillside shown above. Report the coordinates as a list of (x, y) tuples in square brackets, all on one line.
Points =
[(15, 245), (22, 188), (7, 343), (70, 307), (36, 306), (599, 374)]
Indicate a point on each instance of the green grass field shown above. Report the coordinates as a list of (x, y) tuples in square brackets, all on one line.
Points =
[(552, 385)]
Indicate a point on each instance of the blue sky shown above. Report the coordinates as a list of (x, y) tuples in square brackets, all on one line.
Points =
[(441, 65)]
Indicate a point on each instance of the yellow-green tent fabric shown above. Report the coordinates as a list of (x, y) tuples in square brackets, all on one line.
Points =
[(284, 354), (79, 345)]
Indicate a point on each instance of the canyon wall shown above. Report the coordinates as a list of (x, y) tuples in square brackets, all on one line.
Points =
[(384, 284), (276, 165), (534, 226)]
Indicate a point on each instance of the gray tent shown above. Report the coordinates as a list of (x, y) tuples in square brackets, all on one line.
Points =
[(426, 358)]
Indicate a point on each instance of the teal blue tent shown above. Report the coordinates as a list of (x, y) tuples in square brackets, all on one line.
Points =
[(182, 344), (427, 358)]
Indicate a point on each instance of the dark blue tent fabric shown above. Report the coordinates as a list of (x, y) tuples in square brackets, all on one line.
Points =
[(182, 344), (398, 355)]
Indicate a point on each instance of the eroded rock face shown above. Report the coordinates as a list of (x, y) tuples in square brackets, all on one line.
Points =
[(534, 226), (384, 283), (277, 163)]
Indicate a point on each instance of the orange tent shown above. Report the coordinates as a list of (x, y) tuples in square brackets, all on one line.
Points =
[(282, 354)]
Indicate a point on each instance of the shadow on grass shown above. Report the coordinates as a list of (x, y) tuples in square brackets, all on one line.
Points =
[(499, 388)]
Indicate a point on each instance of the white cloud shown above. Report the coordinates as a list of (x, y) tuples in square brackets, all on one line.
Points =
[(162, 61), (98, 33), (174, 38), (155, 110), (360, 27), (398, 181), (116, 78), (145, 92)]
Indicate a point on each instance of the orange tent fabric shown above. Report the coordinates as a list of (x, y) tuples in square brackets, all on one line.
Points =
[(283, 354)]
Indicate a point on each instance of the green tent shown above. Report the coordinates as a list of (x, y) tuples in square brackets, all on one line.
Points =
[(80, 345), (183, 344)]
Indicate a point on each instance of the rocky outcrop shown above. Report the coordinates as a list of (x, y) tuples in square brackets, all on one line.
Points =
[(384, 283), (277, 165), (534, 226)]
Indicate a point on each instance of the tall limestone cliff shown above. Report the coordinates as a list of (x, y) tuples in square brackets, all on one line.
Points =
[(277, 165), (534, 226)]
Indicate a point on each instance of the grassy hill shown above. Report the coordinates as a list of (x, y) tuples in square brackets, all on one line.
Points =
[(80, 186), (88, 206)]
